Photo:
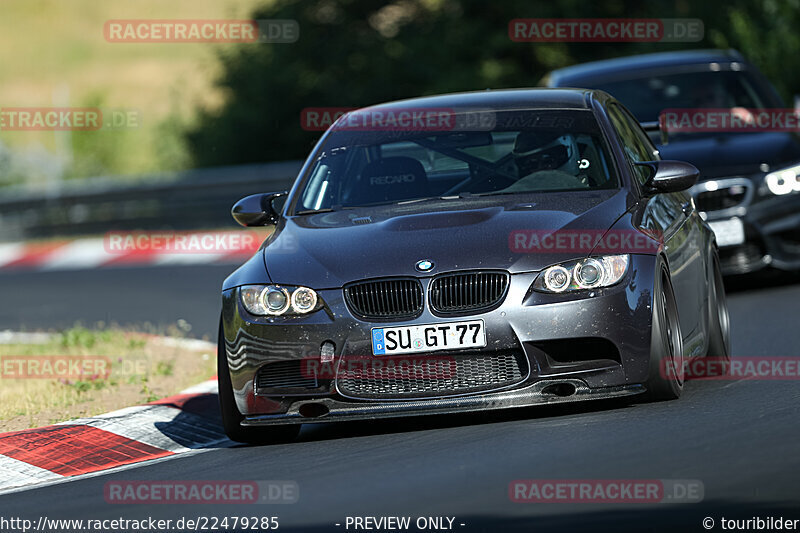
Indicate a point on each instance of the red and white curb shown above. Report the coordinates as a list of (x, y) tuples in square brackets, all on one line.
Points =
[(198, 248), (174, 425)]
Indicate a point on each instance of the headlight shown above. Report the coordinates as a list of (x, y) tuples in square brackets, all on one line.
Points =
[(591, 273), (783, 181), (304, 300), (276, 300)]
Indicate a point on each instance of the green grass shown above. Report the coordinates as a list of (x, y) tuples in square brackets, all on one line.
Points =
[(142, 369), (55, 51)]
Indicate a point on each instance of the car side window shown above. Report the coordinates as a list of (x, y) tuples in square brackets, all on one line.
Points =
[(642, 137), (635, 144)]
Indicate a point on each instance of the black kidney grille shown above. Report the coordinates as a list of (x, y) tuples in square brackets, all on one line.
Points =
[(467, 291), (723, 198), (386, 298)]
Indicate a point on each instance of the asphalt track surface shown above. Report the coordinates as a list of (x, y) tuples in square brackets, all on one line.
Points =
[(741, 439)]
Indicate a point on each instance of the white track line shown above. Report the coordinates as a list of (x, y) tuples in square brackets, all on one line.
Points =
[(17, 473), (10, 252), (77, 255)]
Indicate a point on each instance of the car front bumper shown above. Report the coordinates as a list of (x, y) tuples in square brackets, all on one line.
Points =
[(771, 226), (333, 410), (575, 346)]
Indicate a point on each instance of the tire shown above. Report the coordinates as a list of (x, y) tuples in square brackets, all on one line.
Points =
[(232, 418), (719, 326), (665, 378)]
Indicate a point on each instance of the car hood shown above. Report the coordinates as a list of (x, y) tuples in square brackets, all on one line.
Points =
[(328, 250), (733, 154)]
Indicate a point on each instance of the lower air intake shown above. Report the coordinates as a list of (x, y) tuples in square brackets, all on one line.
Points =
[(447, 375), (284, 377)]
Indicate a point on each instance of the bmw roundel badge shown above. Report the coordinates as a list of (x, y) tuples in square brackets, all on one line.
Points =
[(424, 265)]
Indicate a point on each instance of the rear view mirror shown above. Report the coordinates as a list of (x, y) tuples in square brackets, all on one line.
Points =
[(469, 139), (259, 209)]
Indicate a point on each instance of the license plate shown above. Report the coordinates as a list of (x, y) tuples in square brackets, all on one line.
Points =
[(428, 337), (729, 232)]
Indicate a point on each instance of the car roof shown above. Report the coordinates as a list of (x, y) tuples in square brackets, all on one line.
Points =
[(609, 68), (533, 98)]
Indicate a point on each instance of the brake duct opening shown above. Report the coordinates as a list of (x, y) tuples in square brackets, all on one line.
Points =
[(559, 389), (313, 410)]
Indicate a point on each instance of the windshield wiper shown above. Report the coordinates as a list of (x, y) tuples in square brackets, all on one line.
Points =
[(314, 211), (502, 193), (376, 204), (401, 202), (323, 210), (426, 199)]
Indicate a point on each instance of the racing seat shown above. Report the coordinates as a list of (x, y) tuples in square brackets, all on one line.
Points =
[(390, 179)]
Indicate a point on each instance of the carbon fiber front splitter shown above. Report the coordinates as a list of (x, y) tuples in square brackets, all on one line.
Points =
[(540, 393)]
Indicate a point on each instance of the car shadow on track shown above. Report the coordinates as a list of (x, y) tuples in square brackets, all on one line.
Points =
[(198, 425), (765, 279)]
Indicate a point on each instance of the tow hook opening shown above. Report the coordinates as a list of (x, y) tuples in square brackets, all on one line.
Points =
[(559, 389), (313, 410)]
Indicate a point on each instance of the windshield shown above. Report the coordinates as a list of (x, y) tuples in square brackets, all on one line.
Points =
[(647, 97), (523, 152)]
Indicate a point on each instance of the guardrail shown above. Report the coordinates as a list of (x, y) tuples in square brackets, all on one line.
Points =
[(194, 199)]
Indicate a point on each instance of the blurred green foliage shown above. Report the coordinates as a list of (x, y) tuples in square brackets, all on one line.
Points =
[(353, 53)]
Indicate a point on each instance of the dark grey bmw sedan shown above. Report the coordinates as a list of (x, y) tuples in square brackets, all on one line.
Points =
[(467, 252)]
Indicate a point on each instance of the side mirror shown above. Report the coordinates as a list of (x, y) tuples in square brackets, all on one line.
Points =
[(258, 209), (670, 176)]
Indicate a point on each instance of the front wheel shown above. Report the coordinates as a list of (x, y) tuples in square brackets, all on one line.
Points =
[(232, 418), (665, 379)]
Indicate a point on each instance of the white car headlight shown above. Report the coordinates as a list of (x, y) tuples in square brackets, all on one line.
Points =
[(590, 273), (277, 300), (784, 181)]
